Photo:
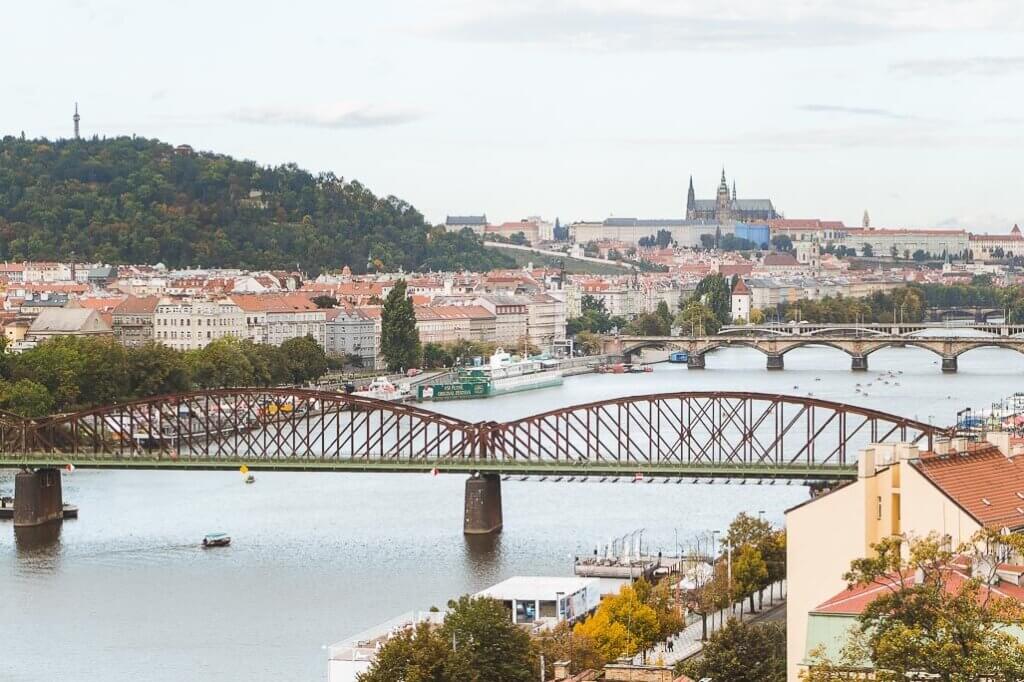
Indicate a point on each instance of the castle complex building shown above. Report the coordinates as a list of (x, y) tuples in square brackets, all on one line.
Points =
[(726, 207)]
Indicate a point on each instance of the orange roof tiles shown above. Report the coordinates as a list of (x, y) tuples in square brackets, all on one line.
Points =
[(983, 481)]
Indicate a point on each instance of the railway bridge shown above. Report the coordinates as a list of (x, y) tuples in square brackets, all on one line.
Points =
[(692, 436), (775, 345)]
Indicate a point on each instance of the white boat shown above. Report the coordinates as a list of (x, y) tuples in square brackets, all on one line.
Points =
[(382, 389), (507, 374)]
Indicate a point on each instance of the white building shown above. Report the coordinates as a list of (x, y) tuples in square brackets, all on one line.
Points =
[(741, 298), (274, 318), (457, 223), (191, 324)]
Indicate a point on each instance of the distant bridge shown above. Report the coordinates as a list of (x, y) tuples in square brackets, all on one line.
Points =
[(850, 330), (858, 343), (688, 436)]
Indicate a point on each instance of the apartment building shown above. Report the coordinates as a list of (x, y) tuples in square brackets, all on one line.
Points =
[(351, 332), (955, 490), (545, 323), (133, 320), (447, 323), (275, 318), (185, 324)]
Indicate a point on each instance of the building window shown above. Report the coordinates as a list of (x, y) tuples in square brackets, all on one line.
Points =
[(879, 507)]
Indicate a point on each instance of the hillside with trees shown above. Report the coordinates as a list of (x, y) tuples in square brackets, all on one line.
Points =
[(137, 200)]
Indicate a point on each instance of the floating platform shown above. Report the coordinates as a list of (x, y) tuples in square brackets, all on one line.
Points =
[(7, 510)]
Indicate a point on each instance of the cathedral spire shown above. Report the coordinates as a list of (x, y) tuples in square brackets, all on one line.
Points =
[(76, 118), (734, 189), (691, 202)]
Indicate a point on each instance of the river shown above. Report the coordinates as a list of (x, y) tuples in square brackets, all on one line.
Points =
[(124, 593)]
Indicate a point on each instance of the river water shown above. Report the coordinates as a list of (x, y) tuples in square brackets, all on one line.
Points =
[(124, 593)]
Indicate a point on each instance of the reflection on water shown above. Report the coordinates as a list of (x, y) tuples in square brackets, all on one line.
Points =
[(482, 552), (39, 544)]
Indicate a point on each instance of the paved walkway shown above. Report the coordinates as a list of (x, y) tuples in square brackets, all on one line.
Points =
[(687, 642)]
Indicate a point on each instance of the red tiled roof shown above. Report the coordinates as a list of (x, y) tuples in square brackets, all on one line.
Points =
[(741, 288), (983, 481), (273, 303), (780, 259), (137, 305), (853, 601)]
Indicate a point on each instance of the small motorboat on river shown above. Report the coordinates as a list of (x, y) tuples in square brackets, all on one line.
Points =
[(216, 540)]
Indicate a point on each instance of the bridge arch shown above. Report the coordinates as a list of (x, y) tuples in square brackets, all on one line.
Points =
[(246, 424), (708, 430), (716, 434)]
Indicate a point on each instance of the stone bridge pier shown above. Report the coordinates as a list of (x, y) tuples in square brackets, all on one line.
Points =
[(482, 505), (37, 497), (949, 364)]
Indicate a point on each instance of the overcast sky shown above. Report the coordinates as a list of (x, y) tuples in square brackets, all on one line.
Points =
[(578, 109)]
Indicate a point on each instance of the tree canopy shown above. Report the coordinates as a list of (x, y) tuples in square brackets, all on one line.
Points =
[(137, 200), (399, 338)]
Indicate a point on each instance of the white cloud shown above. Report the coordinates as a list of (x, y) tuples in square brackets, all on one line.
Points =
[(338, 115), (690, 24), (855, 111), (967, 66)]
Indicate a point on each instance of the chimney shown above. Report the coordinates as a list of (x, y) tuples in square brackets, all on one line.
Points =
[(866, 463), (958, 445), (907, 451), (1001, 439), (561, 670), (941, 446)]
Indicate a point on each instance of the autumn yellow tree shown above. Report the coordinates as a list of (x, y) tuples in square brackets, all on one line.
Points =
[(622, 625)]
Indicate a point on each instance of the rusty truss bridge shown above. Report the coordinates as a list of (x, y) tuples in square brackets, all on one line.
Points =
[(695, 434)]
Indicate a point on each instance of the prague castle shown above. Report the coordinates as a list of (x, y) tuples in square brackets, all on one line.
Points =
[(725, 207)]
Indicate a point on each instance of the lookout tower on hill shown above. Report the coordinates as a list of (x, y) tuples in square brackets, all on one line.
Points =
[(76, 118)]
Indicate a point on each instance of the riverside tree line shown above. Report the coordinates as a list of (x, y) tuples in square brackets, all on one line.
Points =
[(76, 372)]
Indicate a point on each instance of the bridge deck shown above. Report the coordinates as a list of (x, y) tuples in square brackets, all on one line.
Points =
[(521, 468)]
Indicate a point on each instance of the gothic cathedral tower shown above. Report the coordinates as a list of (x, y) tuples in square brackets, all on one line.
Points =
[(691, 202), (722, 200)]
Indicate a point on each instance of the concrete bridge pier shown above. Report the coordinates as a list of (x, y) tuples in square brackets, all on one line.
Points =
[(776, 362), (859, 363), (695, 361), (949, 364), (37, 497), (482, 505)]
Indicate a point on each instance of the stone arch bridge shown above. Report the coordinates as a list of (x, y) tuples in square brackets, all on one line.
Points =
[(775, 346)]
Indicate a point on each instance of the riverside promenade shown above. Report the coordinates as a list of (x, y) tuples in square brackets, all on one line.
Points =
[(687, 642)]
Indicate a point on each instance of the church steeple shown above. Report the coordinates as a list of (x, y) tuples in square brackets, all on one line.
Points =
[(691, 201), (734, 189), (723, 185), (76, 118)]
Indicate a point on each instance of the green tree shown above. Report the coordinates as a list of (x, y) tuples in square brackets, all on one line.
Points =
[(741, 652), (305, 359), (781, 242), (588, 343), (324, 301), (488, 646), (417, 654), (928, 618), (867, 250), (399, 338), (714, 292), (220, 364), (155, 369), (697, 318), (25, 398)]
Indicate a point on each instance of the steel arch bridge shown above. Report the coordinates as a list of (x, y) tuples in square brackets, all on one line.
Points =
[(694, 434)]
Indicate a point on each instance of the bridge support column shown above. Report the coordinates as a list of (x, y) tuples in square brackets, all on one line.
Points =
[(37, 497), (483, 505), (949, 365), (859, 363), (776, 362), (695, 361)]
